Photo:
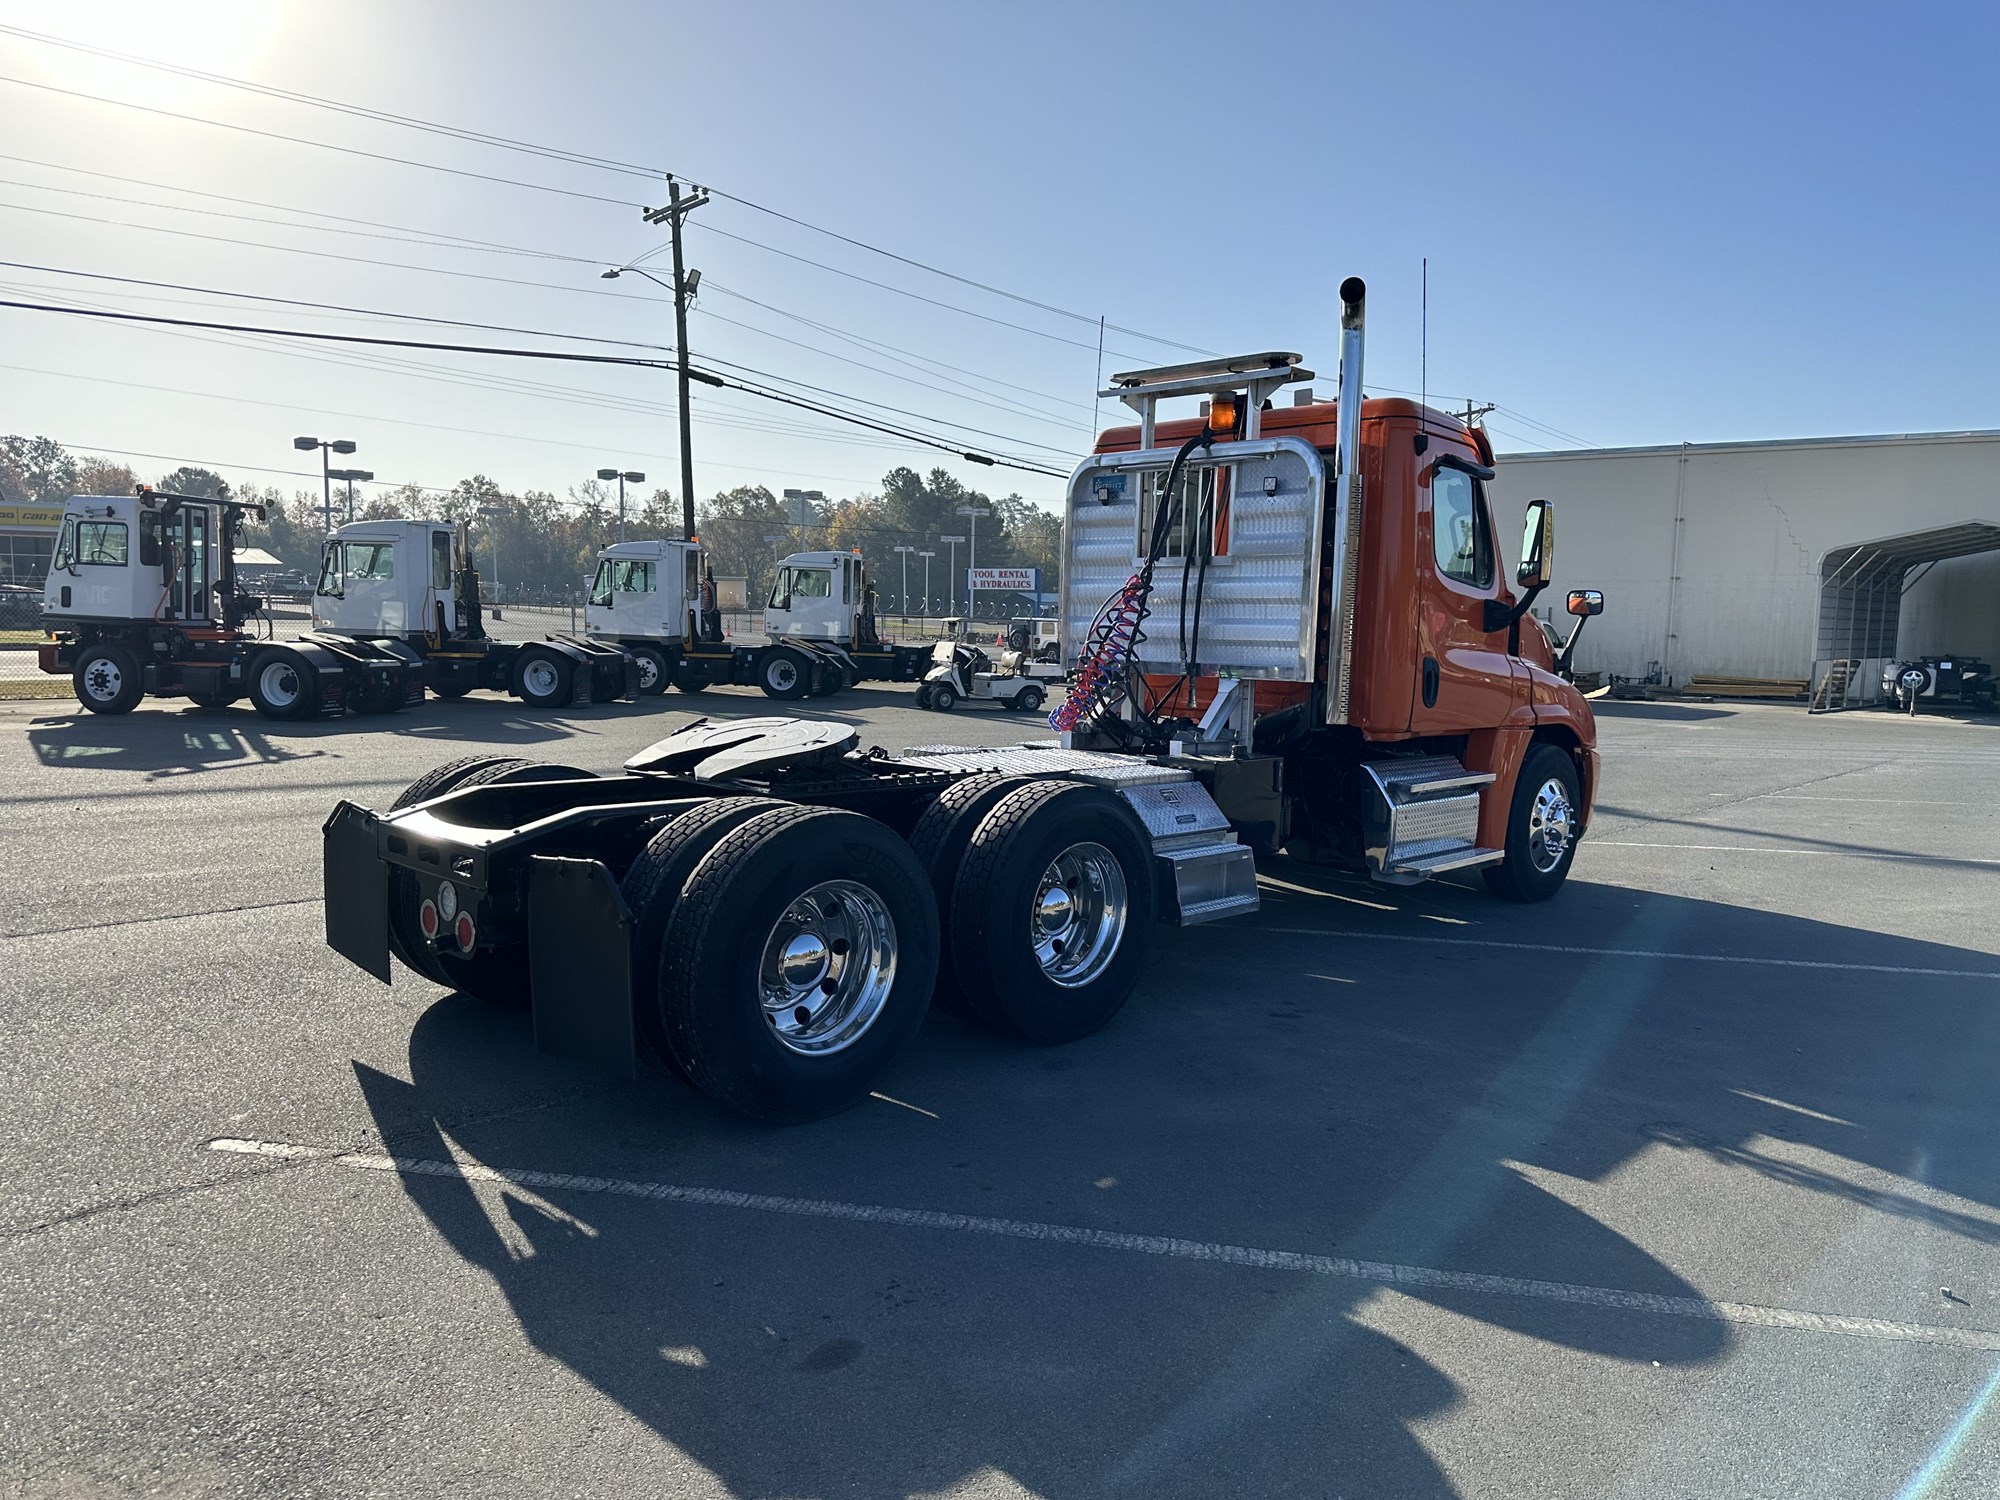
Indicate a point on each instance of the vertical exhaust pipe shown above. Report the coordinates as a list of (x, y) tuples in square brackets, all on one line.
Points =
[(1347, 510)]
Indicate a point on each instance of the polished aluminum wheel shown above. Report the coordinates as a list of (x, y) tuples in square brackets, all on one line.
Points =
[(649, 670), (828, 967), (1079, 915), (279, 683), (1551, 826), (540, 678)]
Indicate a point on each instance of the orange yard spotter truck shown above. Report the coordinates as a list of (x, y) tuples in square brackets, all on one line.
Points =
[(1297, 633)]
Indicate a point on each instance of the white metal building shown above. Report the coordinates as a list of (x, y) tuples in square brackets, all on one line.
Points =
[(1763, 559)]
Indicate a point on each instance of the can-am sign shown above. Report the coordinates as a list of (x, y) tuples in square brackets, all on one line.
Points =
[(1007, 580)]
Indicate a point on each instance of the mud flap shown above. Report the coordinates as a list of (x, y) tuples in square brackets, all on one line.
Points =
[(356, 892), (580, 964)]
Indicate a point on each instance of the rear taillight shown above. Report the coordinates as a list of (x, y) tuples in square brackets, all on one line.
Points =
[(427, 918), (465, 932)]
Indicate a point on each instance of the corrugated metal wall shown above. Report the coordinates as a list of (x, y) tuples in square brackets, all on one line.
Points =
[(1709, 556)]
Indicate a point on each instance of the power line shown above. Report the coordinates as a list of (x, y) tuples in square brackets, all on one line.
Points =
[(300, 140), (575, 158), (706, 377), (440, 242)]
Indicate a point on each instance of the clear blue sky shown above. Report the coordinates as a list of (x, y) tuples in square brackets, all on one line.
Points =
[(1643, 225)]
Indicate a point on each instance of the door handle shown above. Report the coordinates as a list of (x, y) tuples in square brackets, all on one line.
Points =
[(1430, 682)]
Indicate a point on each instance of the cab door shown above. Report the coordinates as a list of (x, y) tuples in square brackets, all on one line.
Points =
[(187, 538), (1465, 679), (443, 602)]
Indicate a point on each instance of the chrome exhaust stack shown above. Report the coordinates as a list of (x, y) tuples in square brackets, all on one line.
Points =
[(1346, 529)]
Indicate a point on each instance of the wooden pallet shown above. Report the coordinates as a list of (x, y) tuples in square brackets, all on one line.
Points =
[(1781, 688)]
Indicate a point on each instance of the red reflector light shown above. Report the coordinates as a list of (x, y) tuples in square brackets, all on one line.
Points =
[(427, 918), (464, 932)]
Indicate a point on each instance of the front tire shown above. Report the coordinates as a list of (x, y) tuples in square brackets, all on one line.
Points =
[(107, 679), (944, 697), (1052, 912), (1541, 828), (798, 962), (654, 673)]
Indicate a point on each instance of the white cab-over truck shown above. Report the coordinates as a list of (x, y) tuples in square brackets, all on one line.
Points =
[(647, 598)]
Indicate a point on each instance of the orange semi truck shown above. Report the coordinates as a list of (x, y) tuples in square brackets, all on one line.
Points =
[(1291, 627)]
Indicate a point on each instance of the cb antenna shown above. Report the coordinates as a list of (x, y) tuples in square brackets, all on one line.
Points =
[(1424, 361)]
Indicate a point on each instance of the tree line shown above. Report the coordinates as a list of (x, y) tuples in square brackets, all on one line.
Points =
[(541, 547)]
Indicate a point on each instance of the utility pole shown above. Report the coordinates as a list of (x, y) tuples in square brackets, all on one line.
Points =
[(1474, 412), (952, 568), (674, 215)]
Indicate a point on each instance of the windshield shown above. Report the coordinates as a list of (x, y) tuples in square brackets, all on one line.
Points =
[(600, 586)]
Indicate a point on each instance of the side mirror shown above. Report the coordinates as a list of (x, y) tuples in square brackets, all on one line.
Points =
[(1538, 546), (1584, 603)]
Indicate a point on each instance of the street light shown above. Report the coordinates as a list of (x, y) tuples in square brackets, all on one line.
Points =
[(350, 475), (973, 513), (339, 445), (906, 550), (632, 475), (490, 514), (927, 556), (953, 568), (804, 504)]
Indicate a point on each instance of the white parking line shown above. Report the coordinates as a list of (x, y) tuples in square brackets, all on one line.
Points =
[(1379, 1273), (1695, 958), (1773, 849)]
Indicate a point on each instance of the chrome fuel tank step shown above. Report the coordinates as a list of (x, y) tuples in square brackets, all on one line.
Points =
[(1420, 817)]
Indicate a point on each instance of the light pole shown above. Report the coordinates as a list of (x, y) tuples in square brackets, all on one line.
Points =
[(952, 571), (906, 550), (636, 478), (490, 514), (972, 513), (350, 475), (804, 504), (927, 556), (341, 446)]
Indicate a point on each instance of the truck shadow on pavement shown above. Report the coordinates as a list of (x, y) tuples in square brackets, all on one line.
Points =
[(1412, 1077)]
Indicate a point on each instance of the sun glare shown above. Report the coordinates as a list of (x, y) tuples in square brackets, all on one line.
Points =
[(217, 36)]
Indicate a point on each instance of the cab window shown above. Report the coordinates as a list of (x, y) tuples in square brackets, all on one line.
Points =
[(812, 583), (440, 559), (781, 590), (371, 560), (1458, 529), (102, 544), (633, 577), (329, 571), (149, 539), (600, 586), (65, 553)]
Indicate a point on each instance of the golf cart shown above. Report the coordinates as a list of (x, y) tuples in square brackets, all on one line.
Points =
[(967, 671)]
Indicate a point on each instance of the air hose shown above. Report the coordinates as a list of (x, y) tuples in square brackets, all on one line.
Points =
[(1100, 680)]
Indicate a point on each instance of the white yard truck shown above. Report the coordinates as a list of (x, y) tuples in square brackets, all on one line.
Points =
[(142, 599), (410, 585), (825, 597), (656, 601)]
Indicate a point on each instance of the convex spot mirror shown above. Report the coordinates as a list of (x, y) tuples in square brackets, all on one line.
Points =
[(1585, 602), (1538, 545)]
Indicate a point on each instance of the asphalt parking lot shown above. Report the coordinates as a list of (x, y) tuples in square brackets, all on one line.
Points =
[(1684, 1184)]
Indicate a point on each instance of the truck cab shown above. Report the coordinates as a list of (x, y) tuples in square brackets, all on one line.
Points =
[(392, 579), (1323, 591), (135, 557), (818, 596), (646, 591)]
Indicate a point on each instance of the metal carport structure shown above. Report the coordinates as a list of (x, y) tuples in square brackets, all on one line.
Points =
[(1861, 586)]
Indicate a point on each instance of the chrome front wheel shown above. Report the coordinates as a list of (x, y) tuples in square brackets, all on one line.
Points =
[(1551, 825)]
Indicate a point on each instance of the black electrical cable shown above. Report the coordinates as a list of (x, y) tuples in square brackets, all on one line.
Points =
[(704, 376)]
